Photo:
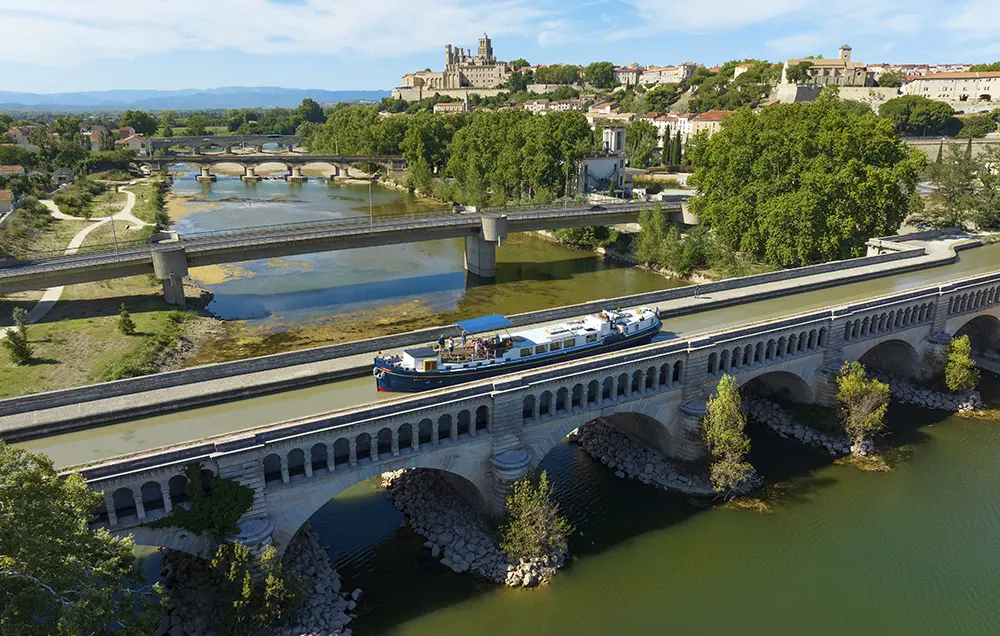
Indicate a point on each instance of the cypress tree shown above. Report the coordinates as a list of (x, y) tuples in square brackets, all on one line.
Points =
[(968, 150), (940, 153), (678, 147)]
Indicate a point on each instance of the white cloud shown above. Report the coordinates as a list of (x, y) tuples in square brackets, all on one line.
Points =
[(56, 32), (797, 45), (714, 15), (975, 19)]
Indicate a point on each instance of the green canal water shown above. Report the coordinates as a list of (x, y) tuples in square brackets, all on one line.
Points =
[(913, 551)]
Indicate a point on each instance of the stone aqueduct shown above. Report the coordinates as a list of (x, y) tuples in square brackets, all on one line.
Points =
[(485, 435)]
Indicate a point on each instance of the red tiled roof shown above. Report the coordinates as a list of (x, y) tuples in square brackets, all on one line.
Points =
[(10, 168), (713, 115), (5, 195), (969, 75)]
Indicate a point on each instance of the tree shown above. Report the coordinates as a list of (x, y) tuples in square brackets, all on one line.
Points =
[(125, 323), (677, 150), (167, 131), (985, 68), (799, 73), (600, 74), (976, 126), (196, 126), (141, 121), (660, 97), (534, 528), (107, 140), (640, 141), (57, 576), (891, 79), (6, 121), (16, 341), (917, 115), (557, 74), (310, 110), (251, 606), (940, 153), (863, 404), (986, 196), (724, 430), (67, 127), (801, 183), (519, 63), (653, 229), (960, 373), (954, 197)]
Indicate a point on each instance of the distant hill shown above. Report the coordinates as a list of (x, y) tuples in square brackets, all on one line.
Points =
[(186, 99)]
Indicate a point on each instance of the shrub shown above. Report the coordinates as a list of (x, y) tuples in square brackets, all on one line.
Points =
[(960, 373), (724, 430), (534, 527), (17, 339), (125, 323), (863, 404), (247, 607)]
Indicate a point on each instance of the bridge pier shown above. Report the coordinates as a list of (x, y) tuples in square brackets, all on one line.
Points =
[(295, 175), (481, 250), (258, 149), (196, 150), (206, 175), (508, 467), (170, 267), (250, 174)]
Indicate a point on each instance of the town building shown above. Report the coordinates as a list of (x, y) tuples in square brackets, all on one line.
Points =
[(628, 75), (537, 106), (19, 135), (132, 142), (741, 69), (462, 70), (452, 107), (62, 176), (8, 171), (840, 71), (653, 75), (124, 132), (957, 87), (916, 70), (92, 136), (710, 121), (603, 171), (566, 104), (6, 202)]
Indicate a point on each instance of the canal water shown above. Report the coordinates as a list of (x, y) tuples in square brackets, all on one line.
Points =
[(428, 277), (915, 551)]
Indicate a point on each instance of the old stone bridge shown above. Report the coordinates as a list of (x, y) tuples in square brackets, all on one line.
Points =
[(338, 165), (485, 435), (226, 142)]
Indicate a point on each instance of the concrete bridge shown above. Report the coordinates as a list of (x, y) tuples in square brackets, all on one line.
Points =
[(169, 261), (226, 142), (487, 434), (339, 165)]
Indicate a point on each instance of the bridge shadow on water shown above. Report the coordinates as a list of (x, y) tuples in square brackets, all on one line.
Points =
[(403, 582)]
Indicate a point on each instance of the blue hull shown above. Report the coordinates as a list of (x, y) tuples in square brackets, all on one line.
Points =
[(389, 377)]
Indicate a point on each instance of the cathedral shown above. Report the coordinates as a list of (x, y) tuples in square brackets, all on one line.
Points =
[(462, 70)]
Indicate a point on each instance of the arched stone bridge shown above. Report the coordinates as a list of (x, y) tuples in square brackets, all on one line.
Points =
[(485, 435), (339, 165)]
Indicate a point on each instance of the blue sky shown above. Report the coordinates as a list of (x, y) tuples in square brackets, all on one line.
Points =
[(71, 45)]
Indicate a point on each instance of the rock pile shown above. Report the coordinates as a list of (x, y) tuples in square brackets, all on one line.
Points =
[(455, 532), (191, 599), (774, 417), (906, 391), (630, 459)]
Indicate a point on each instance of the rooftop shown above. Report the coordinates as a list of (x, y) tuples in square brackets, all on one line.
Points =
[(969, 75), (6, 169), (5, 195), (714, 115)]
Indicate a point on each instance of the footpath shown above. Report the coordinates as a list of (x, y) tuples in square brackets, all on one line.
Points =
[(86, 407)]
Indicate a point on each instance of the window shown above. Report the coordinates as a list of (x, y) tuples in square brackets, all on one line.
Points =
[(569, 343), (430, 365), (525, 352), (591, 337), (555, 346), (539, 348)]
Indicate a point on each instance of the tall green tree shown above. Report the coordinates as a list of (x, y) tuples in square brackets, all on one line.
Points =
[(534, 527), (678, 149), (660, 97), (799, 73), (960, 372), (800, 183), (863, 405), (125, 323), (16, 339), (310, 110), (918, 115), (250, 604), (141, 121), (985, 68), (651, 235), (986, 201), (519, 63), (953, 201), (600, 74), (196, 125), (891, 79), (640, 142), (724, 430), (57, 576)]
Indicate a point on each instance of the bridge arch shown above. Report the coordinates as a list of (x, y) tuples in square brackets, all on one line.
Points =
[(983, 332), (895, 356), (783, 385)]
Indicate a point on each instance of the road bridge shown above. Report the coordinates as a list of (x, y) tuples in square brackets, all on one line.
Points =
[(485, 435), (339, 165), (170, 260)]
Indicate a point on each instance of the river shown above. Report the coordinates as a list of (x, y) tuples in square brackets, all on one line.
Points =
[(912, 551)]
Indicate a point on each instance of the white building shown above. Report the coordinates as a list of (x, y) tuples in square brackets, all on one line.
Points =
[(628, 75), (601, 171), (653, 75), (958, 87), (836, 72)]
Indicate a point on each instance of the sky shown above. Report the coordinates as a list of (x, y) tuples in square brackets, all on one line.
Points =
[(72, 45)]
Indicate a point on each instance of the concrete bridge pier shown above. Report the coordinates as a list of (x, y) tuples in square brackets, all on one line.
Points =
[(508, 467), (228, 150), (170, 267), (335, 173), (295, 175), (481, 250), (206, 175), (250, 174)]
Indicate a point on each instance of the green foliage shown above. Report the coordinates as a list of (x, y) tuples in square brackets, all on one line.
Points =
[(75, 199), (917, 115), (660, 97), (17, 339), (985, 68), (6, 121), (641, 139), (590, 237), (141, 121), (125, 323), (863, 402), (799, 73), (960, 373), (955, 189), (800, 183), (57, 576), (196, 126), (724, 430), (519, 63), (652, 234), (216, 504), (359, 130), (534, 528), (976, 126), (600, 74), (724, 92), (891, 79), (142, 361), (557, 74), (247, 607), (311, 111)]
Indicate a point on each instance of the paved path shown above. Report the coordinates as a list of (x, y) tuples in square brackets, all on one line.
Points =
[(52, 295)]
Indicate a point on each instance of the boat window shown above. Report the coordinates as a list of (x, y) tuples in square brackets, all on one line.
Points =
[(569, 343), (555, 346), (591, 337), (430, 365), (525, 352), (539, 348)]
